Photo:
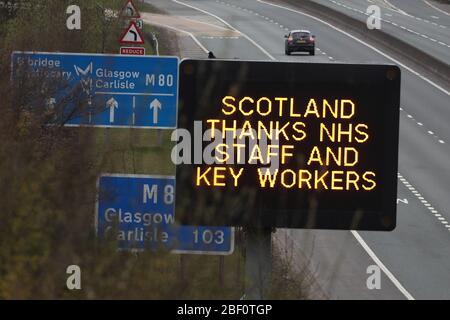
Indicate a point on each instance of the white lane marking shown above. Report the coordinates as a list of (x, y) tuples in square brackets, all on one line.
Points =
[(409, 15), (208, 24), (229, 25), (363, 43), (382, 266), (218, 37), (404, 181), (436, 8), (355, 233), (185, 32), (395, 8), (281, 26), (420, 124), (426, 204), (409, 116), (417, 33)]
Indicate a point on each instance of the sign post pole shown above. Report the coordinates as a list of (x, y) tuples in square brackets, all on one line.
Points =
[(221, 271), (258, 262)]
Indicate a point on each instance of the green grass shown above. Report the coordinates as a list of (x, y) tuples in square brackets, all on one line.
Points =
[(52, 214), (135, 151)]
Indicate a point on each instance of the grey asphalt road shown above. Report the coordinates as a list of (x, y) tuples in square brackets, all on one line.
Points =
[(416, 255), (425, 9), (409, 22)]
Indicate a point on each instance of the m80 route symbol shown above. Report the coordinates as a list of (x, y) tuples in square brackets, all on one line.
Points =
[(116, 91)]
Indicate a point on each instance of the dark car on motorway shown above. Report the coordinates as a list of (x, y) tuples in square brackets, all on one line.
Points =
[(300, 41)]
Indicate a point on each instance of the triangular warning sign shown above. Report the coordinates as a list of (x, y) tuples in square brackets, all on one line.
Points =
[(130, 10), (132, 35)]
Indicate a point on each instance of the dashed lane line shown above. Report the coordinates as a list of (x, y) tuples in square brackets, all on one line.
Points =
[(434, 84), (395, 24), (422, 126), (433, 211), (269, 20), (220, 37), (436, 8), (441, 141), (368, 250), (229, 25)]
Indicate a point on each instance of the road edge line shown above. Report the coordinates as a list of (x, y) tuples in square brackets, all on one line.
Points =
[(362, 42), (354, 233), (394, 8), (182, 31), (229, 25), (436, 8), (380, 264)]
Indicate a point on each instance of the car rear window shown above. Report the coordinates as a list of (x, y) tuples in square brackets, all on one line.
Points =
[(299, 35)]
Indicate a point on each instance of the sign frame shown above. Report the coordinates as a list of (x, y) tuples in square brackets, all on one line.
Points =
[(132, 48), (174, 251), (136, 16), (127, 30), (336, 210), (112, 56), (139, 23)]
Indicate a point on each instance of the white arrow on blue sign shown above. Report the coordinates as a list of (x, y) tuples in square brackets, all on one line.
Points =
[(138, 211), (123, 91)]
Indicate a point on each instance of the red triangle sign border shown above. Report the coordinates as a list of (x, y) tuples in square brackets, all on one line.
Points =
[(122, 41), (136, 16)]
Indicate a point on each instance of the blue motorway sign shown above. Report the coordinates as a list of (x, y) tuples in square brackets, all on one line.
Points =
[(121, 91), (138, 211)]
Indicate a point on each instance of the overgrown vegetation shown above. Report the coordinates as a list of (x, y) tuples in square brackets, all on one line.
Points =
[(49, 173)]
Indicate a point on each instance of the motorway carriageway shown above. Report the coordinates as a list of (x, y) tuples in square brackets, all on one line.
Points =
[(415, 258)]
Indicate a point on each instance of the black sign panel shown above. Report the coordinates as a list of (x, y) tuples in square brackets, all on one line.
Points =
[(294, 145)]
